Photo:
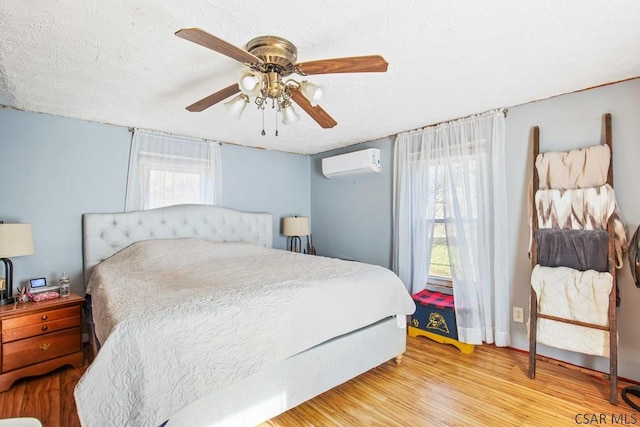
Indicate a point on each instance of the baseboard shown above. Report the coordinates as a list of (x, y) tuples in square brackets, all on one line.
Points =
[(588, 371)]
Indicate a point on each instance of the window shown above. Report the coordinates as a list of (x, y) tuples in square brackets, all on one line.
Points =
[(166, 170), (439, 266), (173, 188), (169, 180), (463, 161), (444, 247)]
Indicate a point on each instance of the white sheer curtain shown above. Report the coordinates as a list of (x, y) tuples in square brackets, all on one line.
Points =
[(168, 170), (466, 159)]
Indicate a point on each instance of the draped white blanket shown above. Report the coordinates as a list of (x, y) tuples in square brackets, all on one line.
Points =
[(583, 168), (582, 209), (575, 295), (181, 318)]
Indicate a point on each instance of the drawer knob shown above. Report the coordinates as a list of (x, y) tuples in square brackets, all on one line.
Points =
[(45, 317), (45, 327), (45, 346)]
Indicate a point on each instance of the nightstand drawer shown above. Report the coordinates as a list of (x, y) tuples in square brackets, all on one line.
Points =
[(39, 318), (26, 352), (40, 329)]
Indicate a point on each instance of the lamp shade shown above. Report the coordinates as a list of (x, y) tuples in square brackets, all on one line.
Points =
[(250, 82), (289, 115), (236, 106), (295, 226), (311, 91), (15, 240)]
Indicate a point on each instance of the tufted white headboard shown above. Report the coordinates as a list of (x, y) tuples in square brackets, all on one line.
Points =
[(105, 234)]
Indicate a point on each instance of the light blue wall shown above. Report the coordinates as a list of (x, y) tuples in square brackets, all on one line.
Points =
[(351, 216), (267, 181), (54, 169)]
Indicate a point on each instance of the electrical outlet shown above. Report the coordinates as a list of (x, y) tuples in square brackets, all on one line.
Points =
[(518, 314)]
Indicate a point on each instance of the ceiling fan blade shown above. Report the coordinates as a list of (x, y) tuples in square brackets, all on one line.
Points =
[(317, 113), (352, 64), (214, 98), (207, 40)]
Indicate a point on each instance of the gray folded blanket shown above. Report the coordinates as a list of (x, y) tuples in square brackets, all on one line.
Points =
[(578, 249)]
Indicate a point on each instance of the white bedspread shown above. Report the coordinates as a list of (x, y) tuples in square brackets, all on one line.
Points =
[(180, 318), (575, 295)]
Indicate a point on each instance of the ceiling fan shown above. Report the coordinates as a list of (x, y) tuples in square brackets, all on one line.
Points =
[(269, 60)]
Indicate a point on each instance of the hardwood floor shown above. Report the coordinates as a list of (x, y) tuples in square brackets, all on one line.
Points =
[(435, 385), (48, 398)]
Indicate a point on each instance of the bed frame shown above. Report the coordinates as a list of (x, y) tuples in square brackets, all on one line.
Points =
[(280, 387)]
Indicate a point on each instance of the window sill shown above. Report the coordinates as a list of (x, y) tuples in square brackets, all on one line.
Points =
[(440, 284)]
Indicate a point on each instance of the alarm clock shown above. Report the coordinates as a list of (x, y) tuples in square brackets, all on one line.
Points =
[(39, 285)]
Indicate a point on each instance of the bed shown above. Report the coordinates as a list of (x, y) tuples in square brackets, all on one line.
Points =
[(200, 322)]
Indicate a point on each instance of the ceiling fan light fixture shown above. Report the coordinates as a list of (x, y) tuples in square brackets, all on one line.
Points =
[(311, 91), (236, 105), (268, 60), (250, 82), (289, 115)]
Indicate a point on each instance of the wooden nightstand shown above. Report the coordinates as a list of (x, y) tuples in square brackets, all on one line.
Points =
[(38, 337)]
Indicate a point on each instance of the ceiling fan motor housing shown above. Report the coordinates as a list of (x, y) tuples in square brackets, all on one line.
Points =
[(274, 51)]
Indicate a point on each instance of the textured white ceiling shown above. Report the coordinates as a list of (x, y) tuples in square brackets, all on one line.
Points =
[(118, 61)]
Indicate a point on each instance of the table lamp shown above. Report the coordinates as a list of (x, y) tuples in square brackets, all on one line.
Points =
[(15, 240), (294, 227)]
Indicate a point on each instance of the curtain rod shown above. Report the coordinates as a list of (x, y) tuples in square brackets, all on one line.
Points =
[(173, 135), (504, 111)]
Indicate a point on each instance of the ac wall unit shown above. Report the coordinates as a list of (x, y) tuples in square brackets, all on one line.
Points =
[(354, 163)]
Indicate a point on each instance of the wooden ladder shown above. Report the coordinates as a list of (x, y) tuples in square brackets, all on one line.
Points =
[(612, 321)]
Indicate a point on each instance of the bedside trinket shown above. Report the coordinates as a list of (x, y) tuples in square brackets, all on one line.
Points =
[(64, 284), (23, 295), (43, 296)]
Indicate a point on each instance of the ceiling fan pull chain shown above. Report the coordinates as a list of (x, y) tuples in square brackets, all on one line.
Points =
[(263, 132), (276, 122)]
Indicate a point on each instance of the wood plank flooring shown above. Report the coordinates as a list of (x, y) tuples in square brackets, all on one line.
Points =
[(435, 385)]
